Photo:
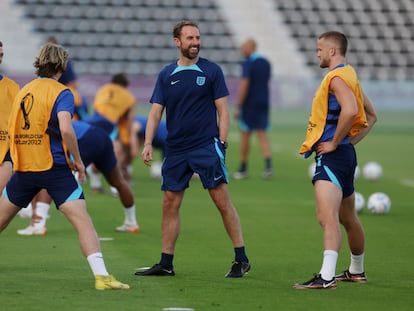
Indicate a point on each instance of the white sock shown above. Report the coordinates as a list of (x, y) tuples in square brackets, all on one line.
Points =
[(329, 264), (94, 178), (97, 264), (26, 212), (29, 208), (130, 169), (130, 217), (357, 264), (114, 191), (42, 211)]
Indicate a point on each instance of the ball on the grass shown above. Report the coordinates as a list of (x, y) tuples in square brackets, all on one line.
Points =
[(311, 170), (379, 203), (357, 172), (359, 202), (372, 171), (155, 170)]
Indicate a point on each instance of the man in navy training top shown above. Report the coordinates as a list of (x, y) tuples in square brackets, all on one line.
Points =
[(194, 95), (253, 107)]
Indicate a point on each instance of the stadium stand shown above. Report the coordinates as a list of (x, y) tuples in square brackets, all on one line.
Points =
[(259, 20), (380, 33), (20, 44), (107, 36), (134, 36)]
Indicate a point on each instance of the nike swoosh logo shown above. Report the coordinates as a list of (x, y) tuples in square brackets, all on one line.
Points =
[(217, 178), (325, 285), (168, 271), (174, 82), (316, 173)]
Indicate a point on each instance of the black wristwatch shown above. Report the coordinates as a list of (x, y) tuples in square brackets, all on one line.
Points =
[(224, 143)]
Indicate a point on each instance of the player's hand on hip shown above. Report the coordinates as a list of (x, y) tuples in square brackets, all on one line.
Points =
[(325, 147)]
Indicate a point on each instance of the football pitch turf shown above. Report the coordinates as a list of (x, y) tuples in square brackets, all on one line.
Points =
[(282, 236)]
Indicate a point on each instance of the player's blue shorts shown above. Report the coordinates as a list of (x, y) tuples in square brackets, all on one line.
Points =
[(263, 124), (58, 181), (338, 167), (254, 116), (208, 162), (96, 147)]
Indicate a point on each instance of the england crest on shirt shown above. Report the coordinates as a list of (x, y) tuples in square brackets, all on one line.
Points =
[(200, 80)]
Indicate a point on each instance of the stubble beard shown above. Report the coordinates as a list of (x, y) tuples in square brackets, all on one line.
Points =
[(190, 55)]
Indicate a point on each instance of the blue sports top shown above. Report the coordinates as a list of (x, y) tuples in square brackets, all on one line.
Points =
[(64, 102), (69, 75), (80, 128), (188, 94), (160, 135), (257, 70), (334, 109)]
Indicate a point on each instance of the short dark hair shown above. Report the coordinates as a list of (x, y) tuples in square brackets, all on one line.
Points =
[(339, 38), (120, 79), (179, 26), (1, 44)]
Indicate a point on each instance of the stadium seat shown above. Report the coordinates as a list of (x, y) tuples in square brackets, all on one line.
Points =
[(104, 31), (380, 32)]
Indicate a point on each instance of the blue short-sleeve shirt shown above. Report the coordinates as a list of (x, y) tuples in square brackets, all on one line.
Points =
[(188, 94), (64, 102)]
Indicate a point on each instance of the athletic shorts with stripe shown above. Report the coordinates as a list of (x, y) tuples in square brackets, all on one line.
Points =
[(207, 161), (58, 181), (338, 167)]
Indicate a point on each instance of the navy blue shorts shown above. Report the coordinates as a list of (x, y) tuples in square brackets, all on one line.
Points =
[(260, 124), (208, 162), (255, 117), (58, 181), (96, 147), (338, 167)]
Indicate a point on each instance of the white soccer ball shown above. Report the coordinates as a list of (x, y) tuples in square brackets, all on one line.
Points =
[(379, 203), (372, 171), (357, 172), (155, 170), (311, 170), (359, 202)]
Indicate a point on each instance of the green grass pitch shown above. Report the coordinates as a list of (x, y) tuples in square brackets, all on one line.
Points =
[(283, 239)]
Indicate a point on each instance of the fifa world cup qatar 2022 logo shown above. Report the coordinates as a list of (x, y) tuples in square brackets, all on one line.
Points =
[(30, 137), (26, 106)]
